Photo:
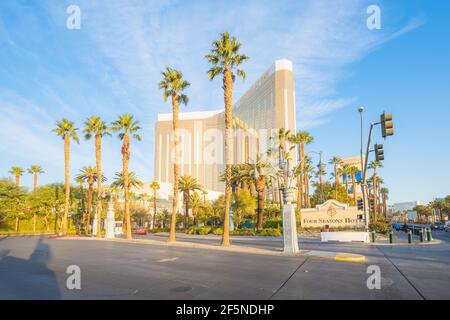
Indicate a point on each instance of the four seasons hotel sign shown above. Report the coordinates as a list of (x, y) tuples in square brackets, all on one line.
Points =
[(333, 214)]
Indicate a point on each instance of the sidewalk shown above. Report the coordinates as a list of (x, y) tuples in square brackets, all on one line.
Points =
[(338, 256)]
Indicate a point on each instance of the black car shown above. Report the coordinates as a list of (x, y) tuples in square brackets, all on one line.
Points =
[(438, 226)]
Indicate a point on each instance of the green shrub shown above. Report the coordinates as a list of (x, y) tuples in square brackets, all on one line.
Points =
[(273, 224), (243, 232), (269, 232), (218, 231), (380, 227), (199, 230)]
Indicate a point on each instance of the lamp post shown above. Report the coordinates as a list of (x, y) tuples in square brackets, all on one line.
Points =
[(363, 174)]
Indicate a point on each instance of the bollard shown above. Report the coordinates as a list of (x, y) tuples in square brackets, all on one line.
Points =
[(409, 236), (429, 236), (391, 236), (373, 236), (421, 235)]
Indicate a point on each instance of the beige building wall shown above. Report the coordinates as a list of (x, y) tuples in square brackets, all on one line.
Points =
[(268, 105)]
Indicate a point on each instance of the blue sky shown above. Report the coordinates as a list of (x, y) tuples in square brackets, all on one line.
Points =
[(112, 64)]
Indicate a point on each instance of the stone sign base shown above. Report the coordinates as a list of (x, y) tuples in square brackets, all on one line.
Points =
[(345, 236)]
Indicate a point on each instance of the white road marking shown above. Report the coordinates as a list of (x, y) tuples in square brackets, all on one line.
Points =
[(168, 259)]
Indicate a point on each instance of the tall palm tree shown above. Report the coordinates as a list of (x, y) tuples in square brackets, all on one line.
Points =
[(300, 139), (262, 174), (309, 169), (155, 187), (196, 204), (282, 136), (187, 184), (320, 172), (35, 170), (336, 162), (95, 127), (344, 170), (173, 85), (374, 165), (225, 57), (385, 198), (132, 180), (17, 172), (126, 127), (67, 131), (89, 174), (352, 170)]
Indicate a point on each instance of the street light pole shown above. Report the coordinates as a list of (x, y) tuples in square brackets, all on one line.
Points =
[(363, 173), (320, 166)]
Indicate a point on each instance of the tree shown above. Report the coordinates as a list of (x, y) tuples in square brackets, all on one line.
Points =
[(225, 57), (262, 173), (352, 170), (126, 127), (132, 180), (385, 198), (301, 138), (187, 184), (67, 131), (95, 127), (336, 162), (243, 203), (88, 174), (374, 165), (155, 187), (309, 169), (173, 85), (35, 170), (423, 211), (12, 202), (196, 204), (17, 173)]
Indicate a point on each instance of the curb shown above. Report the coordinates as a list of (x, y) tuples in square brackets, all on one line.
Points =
[(433, 242)]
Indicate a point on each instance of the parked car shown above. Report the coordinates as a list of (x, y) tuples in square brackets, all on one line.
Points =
[(141, 230), (438, 226), (447, 227)]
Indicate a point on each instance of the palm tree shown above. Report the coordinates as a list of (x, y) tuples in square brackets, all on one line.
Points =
[(17, 172), (196, 204), (385, 198), (352, 170), (133, 181), (173, 85), (67, 131), (35, 170), (126, 126), (95, 127), (301, 138), (155, 187), (262, 174), (374, 165), (344, 170), (309, 169), (336, 162), (319, 174), (88, 174), (225, 57), (187, 184)]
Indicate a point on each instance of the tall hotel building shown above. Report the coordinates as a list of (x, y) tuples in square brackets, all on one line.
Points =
[(267, 106)]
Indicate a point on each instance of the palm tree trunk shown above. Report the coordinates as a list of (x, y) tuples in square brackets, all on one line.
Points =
[(89, 206), (186, 211), (228, 97), (67, 182), (154, 208), (260, 190), (308, 199), (98, 161), (354, 187), (126, 186), (280, 198), (34, 191), (299, 180), (335, 182), (17, 224), (173, 220)]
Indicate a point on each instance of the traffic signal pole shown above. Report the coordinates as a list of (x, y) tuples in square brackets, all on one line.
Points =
[(363, 184)]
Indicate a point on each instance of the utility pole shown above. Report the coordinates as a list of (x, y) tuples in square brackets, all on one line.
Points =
[(363, 182)]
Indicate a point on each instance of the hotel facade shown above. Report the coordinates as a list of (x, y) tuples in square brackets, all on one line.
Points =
[(267, 106)]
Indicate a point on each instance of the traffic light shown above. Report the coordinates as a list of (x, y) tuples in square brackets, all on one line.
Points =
[(379, 152), (371, 204), (360, 204), (387, 126)]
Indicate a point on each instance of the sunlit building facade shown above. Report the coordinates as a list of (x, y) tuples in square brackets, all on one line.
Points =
[(268, 105)]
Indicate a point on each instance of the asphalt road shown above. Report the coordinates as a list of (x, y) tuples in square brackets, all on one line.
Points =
[(35, 268)]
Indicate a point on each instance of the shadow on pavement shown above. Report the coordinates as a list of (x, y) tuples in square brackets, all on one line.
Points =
[(28, 279)]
